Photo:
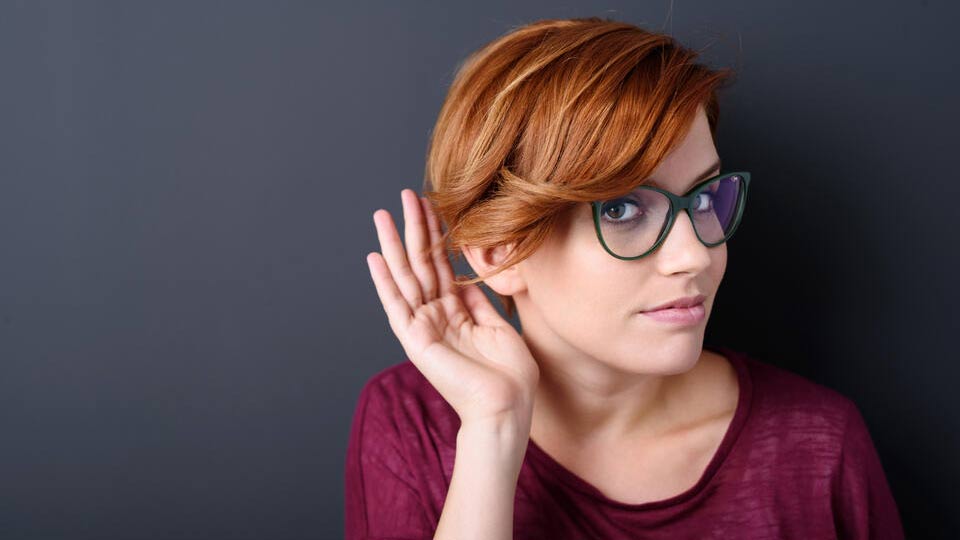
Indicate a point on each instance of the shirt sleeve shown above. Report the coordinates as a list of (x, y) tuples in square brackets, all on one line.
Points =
[(381, 498), (864, 507)]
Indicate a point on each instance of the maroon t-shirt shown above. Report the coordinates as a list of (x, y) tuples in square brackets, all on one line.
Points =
[(797, 461)]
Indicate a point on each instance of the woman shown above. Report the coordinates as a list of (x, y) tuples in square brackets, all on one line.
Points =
[(574, 164)]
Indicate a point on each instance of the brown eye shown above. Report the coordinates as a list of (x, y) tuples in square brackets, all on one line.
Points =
[(616, 210)]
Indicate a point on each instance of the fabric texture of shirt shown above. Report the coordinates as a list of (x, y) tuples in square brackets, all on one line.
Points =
[(796, 461)]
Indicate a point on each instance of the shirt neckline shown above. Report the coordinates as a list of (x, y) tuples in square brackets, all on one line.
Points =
[(739, 419)]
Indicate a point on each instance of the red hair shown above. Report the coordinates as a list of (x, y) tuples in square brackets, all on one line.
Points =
[(551, 114)]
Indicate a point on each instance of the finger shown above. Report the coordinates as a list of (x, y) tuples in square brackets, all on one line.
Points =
[(441, 263), (396, 258), (480, 307), (394, 304), (417, 240)]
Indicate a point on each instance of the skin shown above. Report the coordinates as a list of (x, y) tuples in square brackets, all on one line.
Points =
[(589, 379), (613, 381)]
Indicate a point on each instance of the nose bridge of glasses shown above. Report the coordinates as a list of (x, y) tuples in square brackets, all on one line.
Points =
[(682, 213)]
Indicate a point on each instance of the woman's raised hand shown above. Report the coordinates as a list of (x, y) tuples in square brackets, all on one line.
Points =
[(473, 357)]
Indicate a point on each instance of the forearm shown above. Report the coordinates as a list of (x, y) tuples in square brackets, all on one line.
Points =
[(479, 502)]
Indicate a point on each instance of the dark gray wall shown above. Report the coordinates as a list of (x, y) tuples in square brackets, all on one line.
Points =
[(186, 190)]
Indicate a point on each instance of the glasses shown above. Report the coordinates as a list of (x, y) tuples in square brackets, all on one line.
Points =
[(635, 225)]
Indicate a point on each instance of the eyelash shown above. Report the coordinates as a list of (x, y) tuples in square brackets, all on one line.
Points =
[(617, 202)]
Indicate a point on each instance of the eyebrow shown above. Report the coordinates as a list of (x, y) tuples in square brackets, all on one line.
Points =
[(703, 176)]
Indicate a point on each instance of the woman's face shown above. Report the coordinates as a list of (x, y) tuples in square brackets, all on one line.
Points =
[(580, 302)]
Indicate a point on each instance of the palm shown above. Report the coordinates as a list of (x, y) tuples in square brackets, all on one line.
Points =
[(473, 357), (499, 369)]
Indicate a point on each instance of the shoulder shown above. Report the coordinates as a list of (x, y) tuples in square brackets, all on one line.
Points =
[(814, 444), (784, 391), (400, 399), (795, 412), (394, 468), (398, 383)]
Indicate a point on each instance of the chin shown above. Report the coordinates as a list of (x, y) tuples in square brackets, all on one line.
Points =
[(669, 356)]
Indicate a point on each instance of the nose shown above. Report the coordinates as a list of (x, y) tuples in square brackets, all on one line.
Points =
[(682, 250)]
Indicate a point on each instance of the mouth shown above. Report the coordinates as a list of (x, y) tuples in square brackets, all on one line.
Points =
[(676, 303), (681, 311)]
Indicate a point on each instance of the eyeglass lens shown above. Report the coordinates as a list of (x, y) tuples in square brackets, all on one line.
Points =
[(630, 225)]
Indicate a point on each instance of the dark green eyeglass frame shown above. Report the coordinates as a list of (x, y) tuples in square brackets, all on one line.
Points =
[(679, 203)]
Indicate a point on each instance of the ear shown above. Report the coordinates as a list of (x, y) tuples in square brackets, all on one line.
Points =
[(485, 260)]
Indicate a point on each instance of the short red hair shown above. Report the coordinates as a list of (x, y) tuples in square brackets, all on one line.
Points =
[(551, 114)]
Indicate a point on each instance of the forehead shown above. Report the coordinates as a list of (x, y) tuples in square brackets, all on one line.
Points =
[(684, 185), (693, 160)]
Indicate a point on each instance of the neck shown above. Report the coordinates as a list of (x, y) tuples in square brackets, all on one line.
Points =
[(581, 399)]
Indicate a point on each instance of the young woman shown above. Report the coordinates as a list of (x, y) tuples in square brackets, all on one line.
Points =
[(574, 165)]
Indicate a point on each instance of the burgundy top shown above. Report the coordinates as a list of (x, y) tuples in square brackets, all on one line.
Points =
[(796, 461)]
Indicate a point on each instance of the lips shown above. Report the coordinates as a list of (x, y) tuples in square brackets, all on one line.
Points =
[(683, 302), (680, 316)]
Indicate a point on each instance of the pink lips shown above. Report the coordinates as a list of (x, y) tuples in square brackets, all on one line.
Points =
[(679, 315)]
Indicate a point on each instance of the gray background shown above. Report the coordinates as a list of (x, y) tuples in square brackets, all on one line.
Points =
[(186, 192)]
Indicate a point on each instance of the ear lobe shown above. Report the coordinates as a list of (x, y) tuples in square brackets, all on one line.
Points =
[(485, 261)]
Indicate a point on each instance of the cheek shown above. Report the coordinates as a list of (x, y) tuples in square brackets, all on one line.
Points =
[(719, 264), (573, 279), (581, 289), (564, 281)]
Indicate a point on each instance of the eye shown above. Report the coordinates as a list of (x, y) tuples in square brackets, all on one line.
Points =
[(704, 202), (620, 210)]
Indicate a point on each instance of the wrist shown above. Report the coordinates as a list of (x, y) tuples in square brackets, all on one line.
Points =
[(503, 440)]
